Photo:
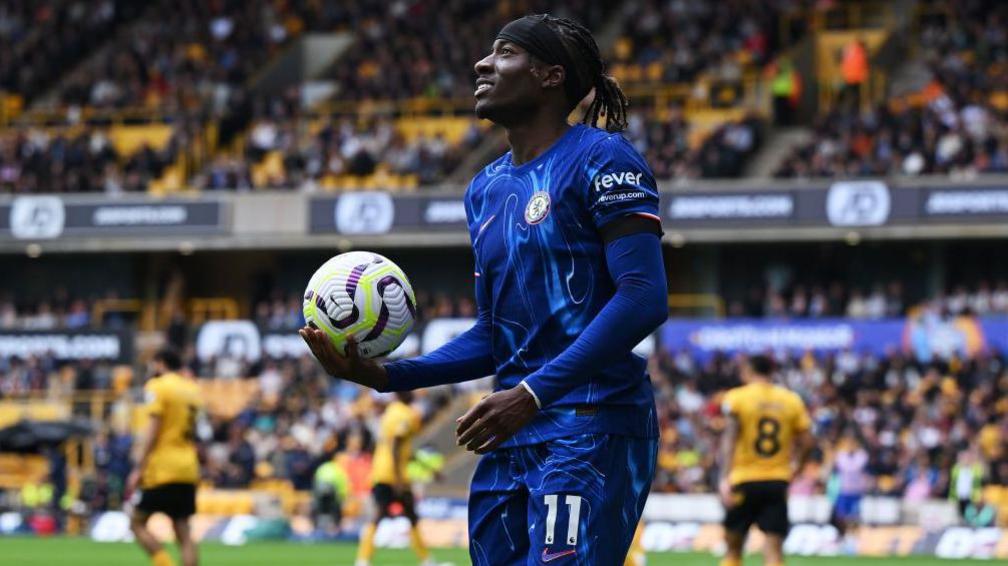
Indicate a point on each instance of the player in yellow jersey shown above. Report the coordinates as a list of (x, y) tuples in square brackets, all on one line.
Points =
[(766, 440), (393, 452), (167, 468), (637, 556)]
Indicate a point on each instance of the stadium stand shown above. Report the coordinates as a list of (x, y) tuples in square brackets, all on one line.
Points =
[(278, 419), (194, 87), (57, 34), (952, 125), (427, 49), (711, 41)]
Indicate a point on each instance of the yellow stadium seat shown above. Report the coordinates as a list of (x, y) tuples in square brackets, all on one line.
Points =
[(127, 140), (227, 397), (172, 179), (17, 470), (451, 128), (269, 171), (13, 411)]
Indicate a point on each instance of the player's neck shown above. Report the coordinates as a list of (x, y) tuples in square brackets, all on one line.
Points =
[(532, 138)]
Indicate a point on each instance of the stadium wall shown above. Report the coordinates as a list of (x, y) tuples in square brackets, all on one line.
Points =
[(700, 212)]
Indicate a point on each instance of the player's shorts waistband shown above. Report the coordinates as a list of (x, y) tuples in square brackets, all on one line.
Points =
[(571, 420)]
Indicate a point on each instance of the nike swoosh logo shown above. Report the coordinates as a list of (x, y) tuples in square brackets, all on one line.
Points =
[(550, 557)]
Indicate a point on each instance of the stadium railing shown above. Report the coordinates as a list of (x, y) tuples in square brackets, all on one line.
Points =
[(150, 315)]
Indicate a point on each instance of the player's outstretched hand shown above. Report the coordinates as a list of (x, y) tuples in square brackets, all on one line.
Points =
[(351, 366), (495, 419)]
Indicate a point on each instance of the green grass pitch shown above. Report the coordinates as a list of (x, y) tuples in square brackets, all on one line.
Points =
[(65, 551)]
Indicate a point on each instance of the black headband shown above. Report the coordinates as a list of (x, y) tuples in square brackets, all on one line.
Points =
[(532, 34)]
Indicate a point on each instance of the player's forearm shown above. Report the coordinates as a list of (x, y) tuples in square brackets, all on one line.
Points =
[(726, 453), (397, 448), (147, 442), (803, 450), (466, 357), (636, 309)]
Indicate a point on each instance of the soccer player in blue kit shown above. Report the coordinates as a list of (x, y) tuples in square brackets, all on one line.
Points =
[(569, 278)]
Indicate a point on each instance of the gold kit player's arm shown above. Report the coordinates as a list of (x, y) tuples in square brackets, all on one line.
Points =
[(803, 442), (144, 449), (727, 454), (398, 445)]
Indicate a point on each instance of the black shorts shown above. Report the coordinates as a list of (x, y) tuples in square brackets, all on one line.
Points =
[(177, 500), (761, 502), (385, 495)]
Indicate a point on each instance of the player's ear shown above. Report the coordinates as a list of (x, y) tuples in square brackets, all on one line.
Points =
[(552, 76)]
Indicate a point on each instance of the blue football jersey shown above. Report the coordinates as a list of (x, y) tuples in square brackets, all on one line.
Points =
[(541, 271)]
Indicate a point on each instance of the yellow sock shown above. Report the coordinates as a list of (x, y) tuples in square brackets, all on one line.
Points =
[(366, 549), (417, 543), (162, 558), (730, 562)]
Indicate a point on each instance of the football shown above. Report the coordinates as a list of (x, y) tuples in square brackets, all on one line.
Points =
[(364, 295)]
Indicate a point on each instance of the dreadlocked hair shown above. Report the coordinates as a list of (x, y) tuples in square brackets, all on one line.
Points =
[(609, 100)]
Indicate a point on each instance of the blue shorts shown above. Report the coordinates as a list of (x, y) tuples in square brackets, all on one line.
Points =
[(847, 507), (567, 501)]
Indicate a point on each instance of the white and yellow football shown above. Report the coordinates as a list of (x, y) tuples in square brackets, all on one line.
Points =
[(364, 295)]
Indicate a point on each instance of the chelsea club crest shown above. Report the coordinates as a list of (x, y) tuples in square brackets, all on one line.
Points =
[(538, 207)]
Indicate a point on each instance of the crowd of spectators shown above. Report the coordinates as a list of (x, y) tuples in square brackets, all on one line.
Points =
[(78, 160), (186, 55), (679, 41), (314, 149), (427, 48), (954, 126), (298, 419), (282, 309), (61, 311), (39, 36), (909, 416), (664, 140), (943, 136), (881, 300), (189, 62)]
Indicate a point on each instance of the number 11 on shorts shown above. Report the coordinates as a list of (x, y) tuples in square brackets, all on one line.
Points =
[(574, 504)]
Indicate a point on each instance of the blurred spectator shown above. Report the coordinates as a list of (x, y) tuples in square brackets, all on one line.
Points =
[(854, 68), (966, 481)]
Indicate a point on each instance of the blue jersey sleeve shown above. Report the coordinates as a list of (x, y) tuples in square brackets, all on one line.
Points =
[(468, 356), (636, 309), (619, 182)]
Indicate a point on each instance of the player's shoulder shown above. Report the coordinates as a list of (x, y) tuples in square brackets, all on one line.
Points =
[(609, 158), (154, 384), (192, 389), (733, 396), (596, 143)]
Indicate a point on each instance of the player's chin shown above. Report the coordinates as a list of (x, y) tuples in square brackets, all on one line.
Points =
[(486, 110)]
